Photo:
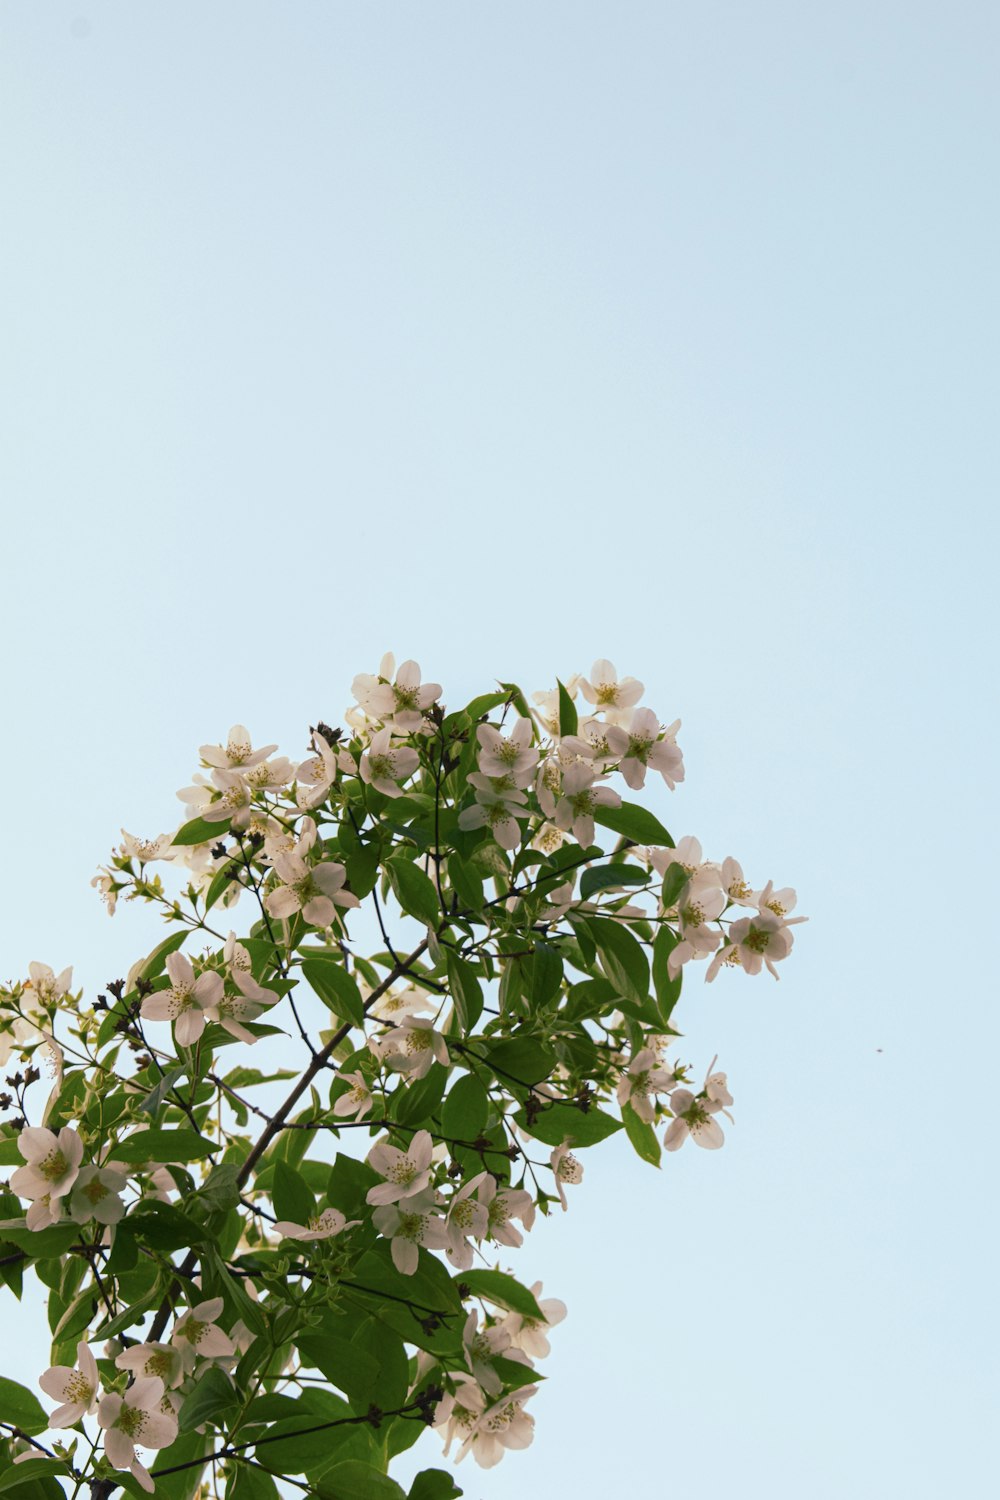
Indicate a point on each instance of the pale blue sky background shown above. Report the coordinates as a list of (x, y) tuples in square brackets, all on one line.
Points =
[(507, 336)]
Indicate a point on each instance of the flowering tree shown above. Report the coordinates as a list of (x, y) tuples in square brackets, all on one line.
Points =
[(469, 948)]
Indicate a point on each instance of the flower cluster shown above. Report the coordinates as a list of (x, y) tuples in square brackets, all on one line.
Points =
[(227, 1231)]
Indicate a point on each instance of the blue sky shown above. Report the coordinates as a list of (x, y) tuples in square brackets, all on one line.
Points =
[(506, 338)]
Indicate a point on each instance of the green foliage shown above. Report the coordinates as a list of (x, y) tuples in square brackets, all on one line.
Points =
[(336, 988), (539, 1000), (503, 1291), (413, 890), (21, 1407)]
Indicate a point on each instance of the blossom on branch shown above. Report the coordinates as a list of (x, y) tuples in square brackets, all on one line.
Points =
[(77, 1388)]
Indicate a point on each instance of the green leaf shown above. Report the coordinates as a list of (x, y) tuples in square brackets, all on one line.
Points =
[(10, 1156), (185, 1483), (348, 1186), (485, 704), (466, 1108), (674, 882), (294, 1444), (290, 1195), (29, 1476), (503, 1291), (604, 877), (518, 699), (466, 991), (414, 891), (563, 1122), (621, 958), (41, 1244), (635, 823), (249, 1483), (346, 1366), (21, 1407), (417, 1101), (77, 1315), (354, 1480), (221, 1189), (434, 1484), (164, 1145), (668, 990), (336, 988), (520, 1060), (157, 960), (198, 831), (384, 1347), (568, 722), (544, 970), (213, 1394), (466, 883), (362, 871), (156, 1096), (642, 1136)]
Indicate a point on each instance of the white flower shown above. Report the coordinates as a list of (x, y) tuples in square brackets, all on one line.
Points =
[(548, 839), (396, 1003), (503, 1205), (234, 802), (21, 1033), (459, 1410), (235, 956), (47, 988), (548, 782), (779, 903), (512, 755), (466, 1217), (717, 1086), (528, 1334), (43, 1213), (606, 691), (197, 1333), (697, 906), (407, 1173), (734, 885), (136, 1419), (53, 1163), (641, 1079), (321, 1226), (316, 775), (186, 1001), (696, 1117), (407, 1226), (565, 1168), (357, 1101), (401, 702), (601, 744), (146, 850), (270, 773), (755, 942), (107, 888), (575, 808), (413, 1047), (238, 751), (504, 1425), (76, 1388), (499, 809), (382, 766), (95, 1195), (230, 1011), (482, 1345), (687, 854), (649, 746), (161, 1360), (315, 890)]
